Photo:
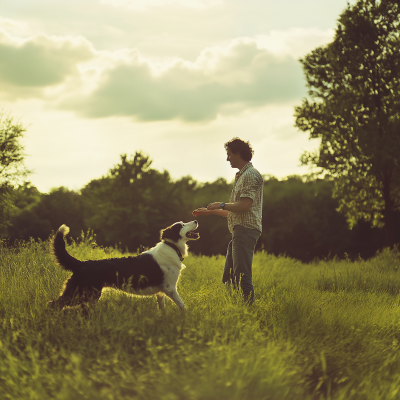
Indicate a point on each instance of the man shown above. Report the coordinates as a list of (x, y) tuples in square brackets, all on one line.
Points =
[(244, 213)]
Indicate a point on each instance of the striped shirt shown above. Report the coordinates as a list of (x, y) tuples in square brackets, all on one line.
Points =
[(248, 183)]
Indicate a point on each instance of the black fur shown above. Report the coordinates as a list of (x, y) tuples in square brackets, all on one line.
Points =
[(90, 277), (172, 232)]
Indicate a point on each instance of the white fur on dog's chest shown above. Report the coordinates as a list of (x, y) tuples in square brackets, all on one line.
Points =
[(167, 259)]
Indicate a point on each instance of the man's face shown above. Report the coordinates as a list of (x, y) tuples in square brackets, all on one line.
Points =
[(234, 159)]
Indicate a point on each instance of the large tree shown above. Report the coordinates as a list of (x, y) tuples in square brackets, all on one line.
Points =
[(354, 108)]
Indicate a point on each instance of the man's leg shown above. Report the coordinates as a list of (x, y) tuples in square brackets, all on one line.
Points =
[(227, 275), (243, 244)]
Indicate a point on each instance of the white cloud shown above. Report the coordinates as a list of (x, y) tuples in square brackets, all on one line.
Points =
[(296, 42), (67, 72), (14, 28), (242, 74), (27, 66)]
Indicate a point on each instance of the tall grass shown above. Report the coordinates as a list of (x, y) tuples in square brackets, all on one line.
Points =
[(330, 329)]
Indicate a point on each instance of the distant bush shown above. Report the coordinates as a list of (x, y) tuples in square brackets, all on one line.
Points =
[(129, 206)]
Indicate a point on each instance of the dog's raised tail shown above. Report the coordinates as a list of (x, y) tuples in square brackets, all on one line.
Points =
[(64, 229), (60, 253)]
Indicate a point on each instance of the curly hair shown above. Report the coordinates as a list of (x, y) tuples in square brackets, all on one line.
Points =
[(237, 145)]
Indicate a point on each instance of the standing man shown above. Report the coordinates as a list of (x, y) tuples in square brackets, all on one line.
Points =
[(244, 213)]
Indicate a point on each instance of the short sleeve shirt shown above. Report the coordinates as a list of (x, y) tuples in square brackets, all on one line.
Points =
[(248, 183)]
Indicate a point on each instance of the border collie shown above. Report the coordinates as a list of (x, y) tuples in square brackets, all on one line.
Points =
[(155, 271)]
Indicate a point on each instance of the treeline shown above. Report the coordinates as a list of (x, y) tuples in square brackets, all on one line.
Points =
[(128, 207)]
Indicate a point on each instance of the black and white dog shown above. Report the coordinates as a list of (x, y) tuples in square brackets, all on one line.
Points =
[(155, 271)]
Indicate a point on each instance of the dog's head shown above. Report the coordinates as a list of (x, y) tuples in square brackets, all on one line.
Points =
[(180, 231)]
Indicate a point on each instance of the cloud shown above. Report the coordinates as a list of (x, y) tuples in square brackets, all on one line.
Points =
[(28, 66), (295, 41), (12, 26), (69, 74), (243, 75), (167, 28)]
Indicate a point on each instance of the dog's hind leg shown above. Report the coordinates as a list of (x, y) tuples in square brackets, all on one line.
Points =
[(68, 295), (161, 300), (75, 295)]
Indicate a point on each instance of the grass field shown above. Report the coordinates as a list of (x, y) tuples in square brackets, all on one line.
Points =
[(326, 330)]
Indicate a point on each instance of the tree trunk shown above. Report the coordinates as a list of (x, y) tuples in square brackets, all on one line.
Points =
[(388, 212)]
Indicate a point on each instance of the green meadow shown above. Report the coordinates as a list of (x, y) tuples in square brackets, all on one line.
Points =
[(325, 330)]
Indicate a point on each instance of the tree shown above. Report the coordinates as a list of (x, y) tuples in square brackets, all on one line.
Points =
[(301, 220), (213, 229), (38, 214), (132, 203), (12, 169), (354, 90)]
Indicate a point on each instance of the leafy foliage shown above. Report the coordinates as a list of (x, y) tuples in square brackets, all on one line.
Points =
[(36, 214), (301, 219), (133, 202), (12, 154), (12, 169), (128, 207), (354, 86)]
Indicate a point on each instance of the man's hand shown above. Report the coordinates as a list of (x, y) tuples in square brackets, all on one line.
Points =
[(201, 211), (207, 211)]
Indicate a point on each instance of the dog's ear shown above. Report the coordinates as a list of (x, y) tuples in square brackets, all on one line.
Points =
[(173, 232)]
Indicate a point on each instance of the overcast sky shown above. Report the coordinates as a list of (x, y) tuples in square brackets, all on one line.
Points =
[(175, 79)]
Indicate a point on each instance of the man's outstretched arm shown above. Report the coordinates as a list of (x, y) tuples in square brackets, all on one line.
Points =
[(205, 211), (244, 204)]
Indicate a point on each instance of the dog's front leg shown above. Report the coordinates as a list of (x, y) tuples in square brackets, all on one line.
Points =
[(174, 296), (161, 300)]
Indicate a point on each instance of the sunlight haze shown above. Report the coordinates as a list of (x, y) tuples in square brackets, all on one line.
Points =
[(176, 79)]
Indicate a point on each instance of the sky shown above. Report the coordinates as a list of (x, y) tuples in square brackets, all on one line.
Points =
[(175, 79)]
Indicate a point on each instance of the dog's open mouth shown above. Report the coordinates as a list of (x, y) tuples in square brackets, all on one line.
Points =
[(192, 235)]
